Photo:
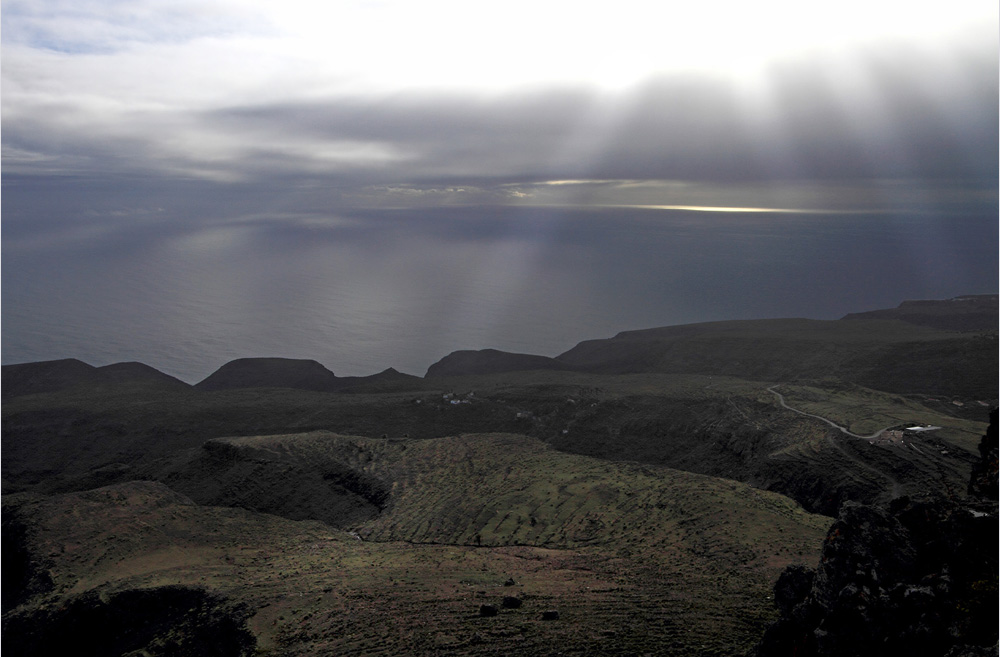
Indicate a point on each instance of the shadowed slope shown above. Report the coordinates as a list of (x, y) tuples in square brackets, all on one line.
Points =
[(922, 347), (302, 375), (332, 490), (968, 313), (46, 376), (860, 351), (388, 380)]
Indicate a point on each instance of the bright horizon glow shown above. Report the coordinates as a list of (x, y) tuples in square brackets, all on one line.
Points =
[(445, 45), (738, 210), (393, 46), (725, 209)]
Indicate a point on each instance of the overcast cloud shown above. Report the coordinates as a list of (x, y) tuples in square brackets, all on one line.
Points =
[(386, 93)]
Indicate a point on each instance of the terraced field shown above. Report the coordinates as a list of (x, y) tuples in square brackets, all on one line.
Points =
[(635, 559)]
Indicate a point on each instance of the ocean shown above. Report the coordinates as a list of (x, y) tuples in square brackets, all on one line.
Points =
[(364, 290)]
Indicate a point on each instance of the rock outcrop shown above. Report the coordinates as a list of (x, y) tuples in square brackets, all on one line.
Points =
[(918, 579), (985, 473)]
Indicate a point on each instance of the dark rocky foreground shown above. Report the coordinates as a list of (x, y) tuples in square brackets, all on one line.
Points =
[(917, 578), (167, 620)]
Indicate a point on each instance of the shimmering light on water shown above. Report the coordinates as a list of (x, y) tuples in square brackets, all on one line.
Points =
[(403, 289)]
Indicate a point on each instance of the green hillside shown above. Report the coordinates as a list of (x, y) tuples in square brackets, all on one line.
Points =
[(634, 558)]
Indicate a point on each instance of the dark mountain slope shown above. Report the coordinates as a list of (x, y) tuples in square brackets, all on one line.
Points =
[(868, 352), (133, 373), (389, 380), (968, 313), (955, 367), (46, 376), (272, 373), (55, 375), (921, 347), (300, 374), (491, 361)]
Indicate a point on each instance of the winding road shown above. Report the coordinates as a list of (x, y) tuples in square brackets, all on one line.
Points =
[(781, 399), (894, 485)]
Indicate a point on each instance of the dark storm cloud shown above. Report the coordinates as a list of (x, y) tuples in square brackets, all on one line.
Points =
[(437, 137)]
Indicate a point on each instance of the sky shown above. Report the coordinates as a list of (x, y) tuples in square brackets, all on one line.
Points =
[(191, 123)]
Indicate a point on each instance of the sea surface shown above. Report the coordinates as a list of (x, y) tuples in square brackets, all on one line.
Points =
[(367, 290)]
